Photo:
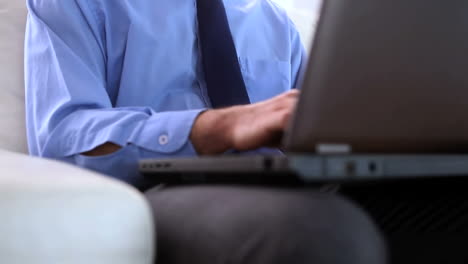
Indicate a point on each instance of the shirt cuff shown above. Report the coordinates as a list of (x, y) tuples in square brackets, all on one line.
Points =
[(168, 132)]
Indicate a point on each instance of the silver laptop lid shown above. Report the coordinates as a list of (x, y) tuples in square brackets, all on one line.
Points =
[(386, 76)]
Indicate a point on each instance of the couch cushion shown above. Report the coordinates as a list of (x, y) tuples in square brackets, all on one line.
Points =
[(12, 116), (52, 212)]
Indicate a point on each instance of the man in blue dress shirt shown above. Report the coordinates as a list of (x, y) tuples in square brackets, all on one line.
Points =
[(110, 82)]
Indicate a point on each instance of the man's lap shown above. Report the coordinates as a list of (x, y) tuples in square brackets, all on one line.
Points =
[(221, 224)]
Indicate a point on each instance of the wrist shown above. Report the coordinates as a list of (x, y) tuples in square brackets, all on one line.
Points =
[(212, 131)]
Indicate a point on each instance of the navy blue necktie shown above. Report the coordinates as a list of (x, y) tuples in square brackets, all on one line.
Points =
[(223, 76)]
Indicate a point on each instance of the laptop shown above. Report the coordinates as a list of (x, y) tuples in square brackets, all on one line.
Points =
[(384, 95)]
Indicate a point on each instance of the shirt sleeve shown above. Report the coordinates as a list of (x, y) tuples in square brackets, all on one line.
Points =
[(298, 57), (68, 107)]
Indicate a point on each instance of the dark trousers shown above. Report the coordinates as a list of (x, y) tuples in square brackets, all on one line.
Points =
[(255, 225), (424, 220)]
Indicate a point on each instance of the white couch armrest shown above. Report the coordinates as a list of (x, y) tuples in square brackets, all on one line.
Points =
[(52, 212)]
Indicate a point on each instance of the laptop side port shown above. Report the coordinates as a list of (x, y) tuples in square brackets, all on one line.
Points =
[(350, 168), (267, 163), (372, 167)]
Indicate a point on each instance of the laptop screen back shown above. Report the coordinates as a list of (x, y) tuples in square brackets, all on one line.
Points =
[(386, 76)]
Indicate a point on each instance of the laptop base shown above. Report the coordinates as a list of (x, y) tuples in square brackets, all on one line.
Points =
[(302, 169)]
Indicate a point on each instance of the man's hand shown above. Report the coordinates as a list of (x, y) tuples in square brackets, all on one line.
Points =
[(105, 149), (243, 127)]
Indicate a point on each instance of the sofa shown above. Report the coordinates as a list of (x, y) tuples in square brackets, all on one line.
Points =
[(51, 212)]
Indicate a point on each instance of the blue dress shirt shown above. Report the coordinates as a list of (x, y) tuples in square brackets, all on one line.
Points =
[(129, 72)]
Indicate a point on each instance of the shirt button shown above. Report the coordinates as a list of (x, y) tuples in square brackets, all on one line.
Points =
[(163, 139)]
